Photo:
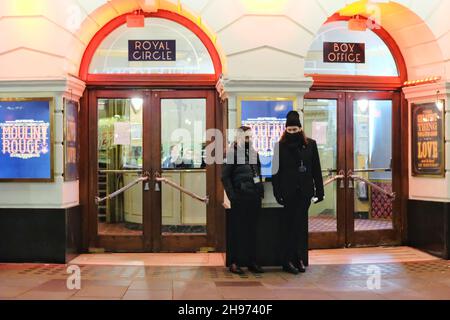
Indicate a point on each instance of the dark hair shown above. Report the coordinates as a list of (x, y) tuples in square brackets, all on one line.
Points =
[(244, 128), (302, 133)]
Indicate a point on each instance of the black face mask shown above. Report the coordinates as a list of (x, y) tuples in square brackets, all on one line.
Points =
[(293, 137)]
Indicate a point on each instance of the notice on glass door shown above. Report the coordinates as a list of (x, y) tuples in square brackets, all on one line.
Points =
[(428, 139), (122, 133), (319, 132)]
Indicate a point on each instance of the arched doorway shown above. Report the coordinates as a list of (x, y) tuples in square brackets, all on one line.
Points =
[(356, 112), (150, 99)]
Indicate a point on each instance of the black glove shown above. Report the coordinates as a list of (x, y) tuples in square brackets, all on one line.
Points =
[(280, 200), (319, 199)]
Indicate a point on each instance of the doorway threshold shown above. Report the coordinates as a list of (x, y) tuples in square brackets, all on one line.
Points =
[(371, 255), (152, 259)]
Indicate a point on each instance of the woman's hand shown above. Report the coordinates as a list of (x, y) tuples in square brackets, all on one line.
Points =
[(280, 200), (318, 199)]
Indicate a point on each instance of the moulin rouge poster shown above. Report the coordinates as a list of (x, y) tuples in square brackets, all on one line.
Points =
[(428, 139), (26, 140)]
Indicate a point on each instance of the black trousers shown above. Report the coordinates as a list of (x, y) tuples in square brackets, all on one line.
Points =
[(243, 231), (295, 229)]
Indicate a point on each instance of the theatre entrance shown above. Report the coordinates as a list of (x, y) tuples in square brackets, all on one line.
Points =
[(142, 137), (357, 114), (359, 139), (144, 183)]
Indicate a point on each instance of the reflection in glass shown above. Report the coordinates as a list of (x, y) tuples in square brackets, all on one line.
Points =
[(372, 161), (320, 124), (119, 163), (379, 59), (192, 57), (183, 142)]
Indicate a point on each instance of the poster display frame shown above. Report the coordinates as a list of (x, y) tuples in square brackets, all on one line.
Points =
[(441, 141), (243, 98), (51, 108), (75, 176)]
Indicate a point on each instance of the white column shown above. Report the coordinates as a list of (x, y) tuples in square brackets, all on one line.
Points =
[(58, 194)]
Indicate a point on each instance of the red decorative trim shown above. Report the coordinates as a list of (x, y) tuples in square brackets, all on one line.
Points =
[(185, 80), (366, 82), (163, 14), (334, 82)]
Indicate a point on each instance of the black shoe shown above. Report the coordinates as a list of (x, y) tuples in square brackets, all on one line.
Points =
[(300, 266), (289, 268), (234, 268), (255, 268)]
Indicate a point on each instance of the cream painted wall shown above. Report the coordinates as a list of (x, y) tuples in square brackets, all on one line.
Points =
[(43, 40), (47, 38)]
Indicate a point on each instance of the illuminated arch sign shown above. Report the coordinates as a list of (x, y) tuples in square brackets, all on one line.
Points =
[(26, 138), (344, 52), (152, 50)]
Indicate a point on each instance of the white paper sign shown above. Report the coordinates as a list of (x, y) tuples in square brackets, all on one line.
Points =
[(319, 131), (122, 133)]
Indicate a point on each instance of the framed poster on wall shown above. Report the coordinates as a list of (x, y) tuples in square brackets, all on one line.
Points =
[(26, 140), (428, 134), (267, 118), (70, 140)]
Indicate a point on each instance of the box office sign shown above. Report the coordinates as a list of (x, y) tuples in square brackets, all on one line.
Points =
[(344, 52), (428, 139), (26, 151), (152, 50), (70, 140)]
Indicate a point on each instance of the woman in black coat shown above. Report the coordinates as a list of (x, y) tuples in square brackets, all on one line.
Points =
[(241, 177), (297, 180)]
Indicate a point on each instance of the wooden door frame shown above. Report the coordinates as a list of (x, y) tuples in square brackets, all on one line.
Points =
[(319, 240), (111, 242), (399, 168), (179, 242), (376, 237), (88, 173)]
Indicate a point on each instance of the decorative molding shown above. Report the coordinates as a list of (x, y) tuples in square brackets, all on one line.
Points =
[(427, 91), (300, 86), (69, 86)]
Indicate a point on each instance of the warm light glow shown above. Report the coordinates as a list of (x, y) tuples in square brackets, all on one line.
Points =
[(26, 7), (363, 105), (421, 81), (264, 6), (149, 5), (136, 104), (354, 9)]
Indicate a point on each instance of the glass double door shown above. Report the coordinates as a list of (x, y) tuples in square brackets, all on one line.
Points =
[(357, 134), (143, 136)]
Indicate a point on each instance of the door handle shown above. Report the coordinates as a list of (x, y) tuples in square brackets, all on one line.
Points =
[(157, 175), (147, 183), (350, 179), (342, 178)]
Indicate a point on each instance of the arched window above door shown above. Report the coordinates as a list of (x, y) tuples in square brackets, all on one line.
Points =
[(379, 60), (191, 56)]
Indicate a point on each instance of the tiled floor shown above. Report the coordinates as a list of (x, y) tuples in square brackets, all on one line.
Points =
[(405, 273)]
